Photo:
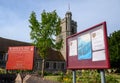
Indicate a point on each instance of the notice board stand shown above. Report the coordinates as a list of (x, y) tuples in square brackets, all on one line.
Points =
[(74, 76), (102, 74), (88, 49)]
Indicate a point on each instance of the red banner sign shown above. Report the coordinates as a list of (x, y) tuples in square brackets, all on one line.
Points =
[(20, 58)]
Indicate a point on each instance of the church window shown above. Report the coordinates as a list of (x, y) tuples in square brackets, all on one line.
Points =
[(62, 66), (47, 65), (54, 65)]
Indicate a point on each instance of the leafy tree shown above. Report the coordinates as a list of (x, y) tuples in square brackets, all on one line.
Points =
[(43, 33), (114, 47)]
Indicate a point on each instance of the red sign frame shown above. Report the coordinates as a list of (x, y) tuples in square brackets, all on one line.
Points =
[(95, 54), (20, 58)]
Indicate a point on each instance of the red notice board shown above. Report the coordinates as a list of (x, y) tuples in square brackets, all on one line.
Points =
[(20, 58), (88, 49)]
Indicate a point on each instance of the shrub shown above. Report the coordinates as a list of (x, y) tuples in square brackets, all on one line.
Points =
[(2, 71), (87, 76), (111, 79)]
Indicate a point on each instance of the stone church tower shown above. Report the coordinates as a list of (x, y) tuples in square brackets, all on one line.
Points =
[(68, 27)]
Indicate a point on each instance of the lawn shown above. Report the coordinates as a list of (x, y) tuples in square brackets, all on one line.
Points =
[(53, 78), (110, 78)]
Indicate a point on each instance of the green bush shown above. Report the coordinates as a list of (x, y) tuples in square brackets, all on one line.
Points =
[(2, 71), (86, 76), (111, 79)]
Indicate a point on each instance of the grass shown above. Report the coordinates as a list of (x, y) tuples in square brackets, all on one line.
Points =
[(56, 78), (52, 78), (116, 76)]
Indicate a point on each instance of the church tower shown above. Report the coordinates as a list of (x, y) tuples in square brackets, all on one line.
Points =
[(68, 27)]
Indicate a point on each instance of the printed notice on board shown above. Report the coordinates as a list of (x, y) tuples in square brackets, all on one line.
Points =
[(84, 47), (97, 40), (73, 48), (99, 56)]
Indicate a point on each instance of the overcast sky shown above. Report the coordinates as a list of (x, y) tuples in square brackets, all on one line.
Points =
[(14, 14)]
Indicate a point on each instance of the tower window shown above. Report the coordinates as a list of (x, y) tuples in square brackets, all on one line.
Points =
[(73, 31)]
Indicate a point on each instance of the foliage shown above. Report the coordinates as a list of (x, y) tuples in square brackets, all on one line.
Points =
[(87, 76), (114, 47), (45, 73), (48, 73), (111, 79), (43, 33), (2, 71)]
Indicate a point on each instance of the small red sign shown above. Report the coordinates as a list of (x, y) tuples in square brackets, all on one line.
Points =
[(20, 58)]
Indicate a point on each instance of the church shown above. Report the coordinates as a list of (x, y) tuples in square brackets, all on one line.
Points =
[(56, 61), (69, 27)]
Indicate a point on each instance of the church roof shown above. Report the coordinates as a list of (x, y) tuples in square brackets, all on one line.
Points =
[(55, 55), (5, 43)]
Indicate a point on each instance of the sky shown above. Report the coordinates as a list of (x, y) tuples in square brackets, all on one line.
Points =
[(14, 15)]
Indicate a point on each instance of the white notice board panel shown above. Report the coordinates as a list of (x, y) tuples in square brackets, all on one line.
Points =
[(73, 48), (98, 39)]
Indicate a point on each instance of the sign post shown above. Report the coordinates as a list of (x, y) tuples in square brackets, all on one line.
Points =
[(88, 49), (74, 76), (102, 73)]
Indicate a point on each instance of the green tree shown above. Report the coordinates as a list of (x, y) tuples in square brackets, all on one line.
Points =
[(114, 49), (43, 33)]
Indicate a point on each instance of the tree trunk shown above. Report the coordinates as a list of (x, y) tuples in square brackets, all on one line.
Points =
[(42, 72)]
